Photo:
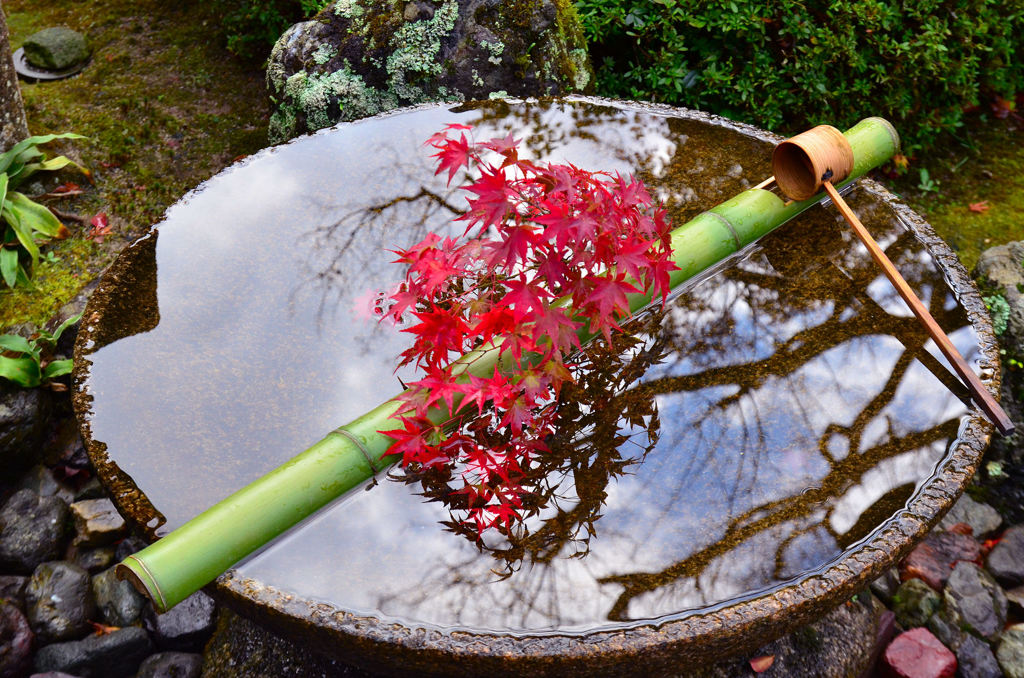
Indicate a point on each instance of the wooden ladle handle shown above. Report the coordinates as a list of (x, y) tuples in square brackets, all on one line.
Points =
[(979, 393)]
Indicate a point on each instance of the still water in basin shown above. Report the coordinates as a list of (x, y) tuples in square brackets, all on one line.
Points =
[(786, 405)]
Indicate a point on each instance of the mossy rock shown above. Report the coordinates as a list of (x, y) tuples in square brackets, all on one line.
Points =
[(56, 49), (357, 58)]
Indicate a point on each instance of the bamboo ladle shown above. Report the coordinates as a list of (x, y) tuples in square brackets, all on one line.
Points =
[(815, 159)]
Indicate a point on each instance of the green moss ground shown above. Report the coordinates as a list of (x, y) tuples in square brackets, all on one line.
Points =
[(985, 164), (164, 105)]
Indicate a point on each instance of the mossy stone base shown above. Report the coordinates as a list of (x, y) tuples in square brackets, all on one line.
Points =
[(56, 49), (358, 58)]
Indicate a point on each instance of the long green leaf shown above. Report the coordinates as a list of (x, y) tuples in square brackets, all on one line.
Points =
[(24, 233), (23, 279), (57, 368), (17, 169), (3, 188), (55, 337), (36, 217), (51, 165), (14, 342), (7, 158), (22, 371), (9, 266)]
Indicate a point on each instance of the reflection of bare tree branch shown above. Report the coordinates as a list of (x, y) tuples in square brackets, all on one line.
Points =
[(772, 514), (337, 272)]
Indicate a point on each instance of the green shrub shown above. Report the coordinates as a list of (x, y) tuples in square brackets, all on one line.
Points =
[(253, 26), (787, 65)]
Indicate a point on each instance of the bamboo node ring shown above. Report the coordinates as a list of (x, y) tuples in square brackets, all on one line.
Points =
[(803, 163)]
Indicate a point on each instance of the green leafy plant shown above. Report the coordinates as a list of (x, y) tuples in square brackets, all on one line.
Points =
[(23, 219), (787, 64), (999, 309), (26, 361), (926, 183)]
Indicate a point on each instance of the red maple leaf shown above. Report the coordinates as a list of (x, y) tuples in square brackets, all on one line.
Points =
[(100, 227), (979, 207), (545, 232)]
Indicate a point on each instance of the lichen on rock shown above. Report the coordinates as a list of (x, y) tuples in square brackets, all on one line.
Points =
[(360, 57)]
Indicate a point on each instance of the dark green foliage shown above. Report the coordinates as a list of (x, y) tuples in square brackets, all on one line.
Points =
[(786, 65), (253, 26)]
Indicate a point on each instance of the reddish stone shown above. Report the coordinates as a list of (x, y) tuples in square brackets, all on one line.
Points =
[(919, 654), (934, 558), (961, 528)]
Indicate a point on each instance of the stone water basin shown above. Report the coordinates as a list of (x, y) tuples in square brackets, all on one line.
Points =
[(783, 432)]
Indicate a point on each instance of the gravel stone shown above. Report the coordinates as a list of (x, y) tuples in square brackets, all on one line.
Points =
[(15, 641), (97, 522), (23, 416), (118, 602), (975, 600), (914, 602), (919, 654), (982, 518), (32, 531), (1010, 653), (1006, 560), (95, 560), (946, 627), (186, 626), (113, 655), (885, 586), (59, 602), (975, 659), (12, 589), (40, 480), (172, 665), (933, 559)]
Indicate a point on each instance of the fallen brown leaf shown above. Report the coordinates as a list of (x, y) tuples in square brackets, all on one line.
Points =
[(762, 663)]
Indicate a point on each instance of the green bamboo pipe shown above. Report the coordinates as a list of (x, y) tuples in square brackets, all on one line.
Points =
[(193, 555)]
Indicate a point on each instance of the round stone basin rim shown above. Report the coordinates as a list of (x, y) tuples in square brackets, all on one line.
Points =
[(720, 629)]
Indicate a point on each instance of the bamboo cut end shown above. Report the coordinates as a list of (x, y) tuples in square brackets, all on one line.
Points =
[(134, 571), (802, 163)]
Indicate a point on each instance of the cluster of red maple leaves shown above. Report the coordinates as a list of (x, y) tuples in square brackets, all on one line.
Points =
[(549, 253)]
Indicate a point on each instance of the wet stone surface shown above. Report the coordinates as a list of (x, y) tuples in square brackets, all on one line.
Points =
[(1006, 560), (23, 416), (914, 602), (117, 654), (975, 601), (885, 586), (171, 665), (945, 626), (12, 589), (97, 522), (185, 627), (118, 603), (982, 518), (40, 480), (1010, 652), (15, 641), (95, 560), (934, 558), (975, 659), (32, 531), (59, 601), (919, 654)]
